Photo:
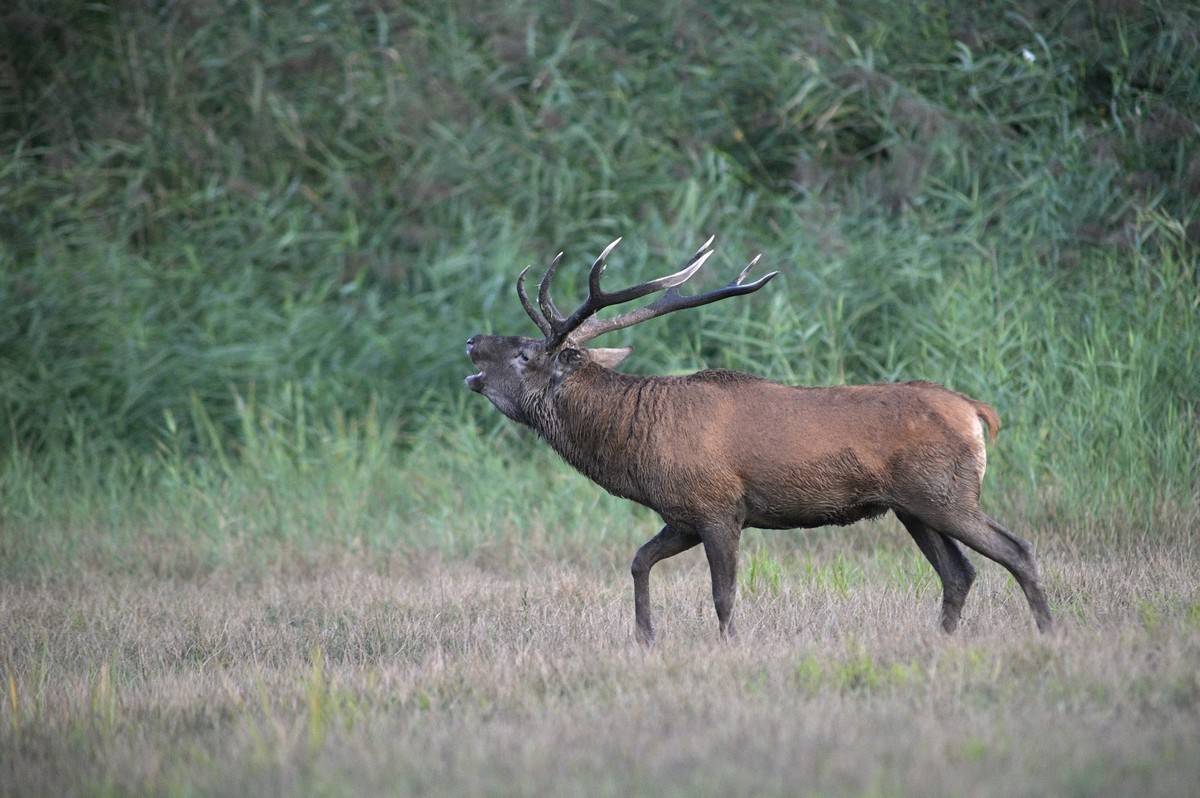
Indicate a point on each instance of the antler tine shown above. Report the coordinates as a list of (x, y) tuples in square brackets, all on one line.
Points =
[(548, 309), (598, 267), (540, 321), (749, 266)]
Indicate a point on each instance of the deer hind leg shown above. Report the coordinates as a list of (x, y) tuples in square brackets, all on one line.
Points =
[(952, 566), (991, 539), (667, 543)]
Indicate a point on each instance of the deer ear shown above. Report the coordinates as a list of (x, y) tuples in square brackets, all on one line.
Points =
[(610, 358)]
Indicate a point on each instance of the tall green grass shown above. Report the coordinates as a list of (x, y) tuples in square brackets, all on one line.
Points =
[(241, 246)]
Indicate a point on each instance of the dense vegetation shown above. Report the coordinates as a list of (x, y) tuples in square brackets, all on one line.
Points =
[(219, 216), (203, 196)]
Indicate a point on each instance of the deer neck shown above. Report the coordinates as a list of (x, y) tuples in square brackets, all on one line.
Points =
[(593, 422)]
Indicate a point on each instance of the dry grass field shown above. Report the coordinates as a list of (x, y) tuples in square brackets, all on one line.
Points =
[(330, 673)]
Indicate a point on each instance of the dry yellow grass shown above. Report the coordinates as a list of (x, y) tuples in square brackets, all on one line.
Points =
[(333, 676)]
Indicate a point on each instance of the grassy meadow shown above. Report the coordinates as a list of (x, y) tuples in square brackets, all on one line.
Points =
[(257, 538)]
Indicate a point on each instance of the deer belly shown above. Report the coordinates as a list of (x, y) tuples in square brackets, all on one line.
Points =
[(812, 516), (836, 489)]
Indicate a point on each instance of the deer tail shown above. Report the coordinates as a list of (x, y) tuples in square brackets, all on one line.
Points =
[(987, 414)]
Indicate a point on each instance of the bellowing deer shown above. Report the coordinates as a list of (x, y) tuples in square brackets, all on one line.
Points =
[(719, 451)]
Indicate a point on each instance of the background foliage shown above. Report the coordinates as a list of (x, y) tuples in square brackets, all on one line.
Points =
[(216, 216)]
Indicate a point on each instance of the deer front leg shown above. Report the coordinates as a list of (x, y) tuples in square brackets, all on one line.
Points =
[(667, 543), (721, 548)]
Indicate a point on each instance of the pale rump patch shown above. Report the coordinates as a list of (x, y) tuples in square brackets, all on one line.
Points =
[(981, 447)]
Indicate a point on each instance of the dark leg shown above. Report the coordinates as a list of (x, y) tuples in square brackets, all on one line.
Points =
[(1031, 584), (667, 543), (992, 540), (721, 548), (952, 566)]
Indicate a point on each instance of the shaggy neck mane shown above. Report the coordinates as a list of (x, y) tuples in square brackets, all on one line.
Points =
[(593, 421)]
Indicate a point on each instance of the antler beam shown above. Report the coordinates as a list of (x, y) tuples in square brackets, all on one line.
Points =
[(582, 326)]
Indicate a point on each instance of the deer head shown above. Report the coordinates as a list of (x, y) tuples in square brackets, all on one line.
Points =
[(517, 374)]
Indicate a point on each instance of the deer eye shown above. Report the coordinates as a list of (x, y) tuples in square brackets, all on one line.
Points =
[(522, 358)]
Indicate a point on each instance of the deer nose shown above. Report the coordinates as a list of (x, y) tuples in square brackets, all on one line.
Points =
[(471, 343)]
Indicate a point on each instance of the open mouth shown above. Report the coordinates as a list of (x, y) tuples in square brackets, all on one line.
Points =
[(475, 381)]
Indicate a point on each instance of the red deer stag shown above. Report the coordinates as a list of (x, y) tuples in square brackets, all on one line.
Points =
[(719, 451)]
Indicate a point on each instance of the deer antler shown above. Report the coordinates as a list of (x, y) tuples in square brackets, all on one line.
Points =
[(582, 326)]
